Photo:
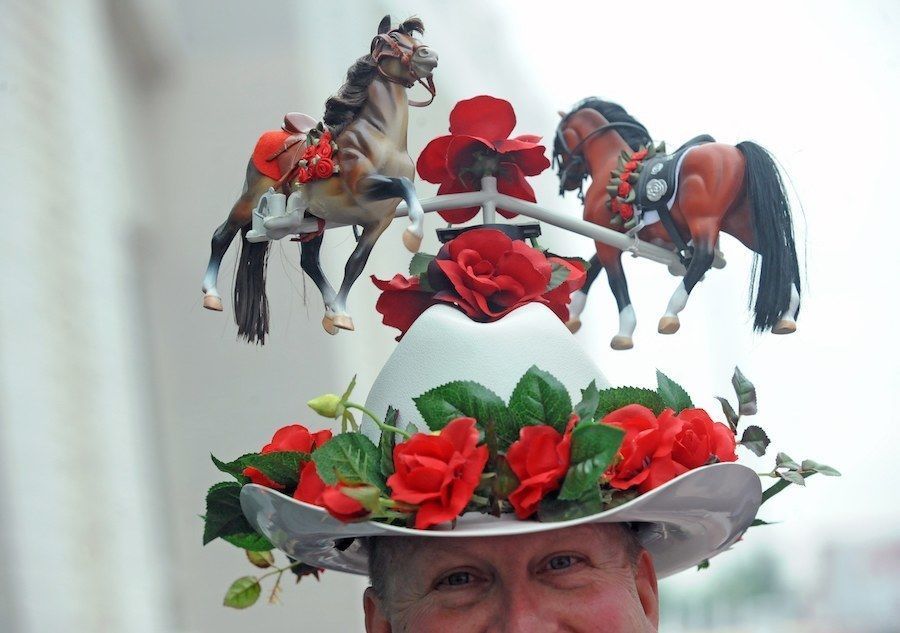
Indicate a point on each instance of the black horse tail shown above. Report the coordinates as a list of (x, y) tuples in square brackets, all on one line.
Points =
[(251, 305), (778, 271)]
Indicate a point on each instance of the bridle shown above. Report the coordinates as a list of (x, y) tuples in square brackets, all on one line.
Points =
[(574, 157), (404, 54)]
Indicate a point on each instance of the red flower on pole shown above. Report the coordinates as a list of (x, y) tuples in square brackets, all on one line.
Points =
[(479, 145)]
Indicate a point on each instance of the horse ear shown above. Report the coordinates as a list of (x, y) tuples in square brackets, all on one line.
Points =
[(385, 25)]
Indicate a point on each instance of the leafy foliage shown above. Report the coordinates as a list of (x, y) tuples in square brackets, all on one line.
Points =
[(756, 440), (443, 404), (243, 593), (349, 458), (673, 395), (540, 398), (618, 397), (594, 446), (224, 517)]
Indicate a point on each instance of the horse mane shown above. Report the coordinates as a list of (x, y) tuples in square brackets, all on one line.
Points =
[(612, 112), (346, 104)]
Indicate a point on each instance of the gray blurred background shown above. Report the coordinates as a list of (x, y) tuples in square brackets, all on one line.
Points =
[(125, 127)]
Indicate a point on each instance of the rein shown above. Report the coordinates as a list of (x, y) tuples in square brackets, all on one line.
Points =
[(404, 55), (575, 158)]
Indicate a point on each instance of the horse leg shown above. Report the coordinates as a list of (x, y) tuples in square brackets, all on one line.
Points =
[(704, 238), (579, 297), (380, 187), (353, 269), (787, 324), (611, 259), (239, 216), (312, 266), (221, 240)]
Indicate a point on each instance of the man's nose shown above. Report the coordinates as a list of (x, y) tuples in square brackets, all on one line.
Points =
[(524, 611)]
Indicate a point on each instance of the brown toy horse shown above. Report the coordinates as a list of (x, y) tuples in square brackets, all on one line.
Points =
[(735, 189), (367, 119)]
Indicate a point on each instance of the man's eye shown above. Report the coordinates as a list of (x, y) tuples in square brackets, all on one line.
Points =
[(456, 579), (560, 562)]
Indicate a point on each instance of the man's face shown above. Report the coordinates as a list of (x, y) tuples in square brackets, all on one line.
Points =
[(576, 579)]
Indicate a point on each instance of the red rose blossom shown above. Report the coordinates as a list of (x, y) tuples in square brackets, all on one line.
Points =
[(295, 437), (540, 459), (700, 440), (487, 275), (479, 142), (309, 153), (402, 301), (646, 452), (311, 489), (324, 168), (438, 473)]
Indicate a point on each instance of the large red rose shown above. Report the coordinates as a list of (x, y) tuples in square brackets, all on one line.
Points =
[(311, 489), (540, 459), (438, 473), (487, 275), (479, 144), (700, 441), (401, 302), (646, 453), (295, 437)]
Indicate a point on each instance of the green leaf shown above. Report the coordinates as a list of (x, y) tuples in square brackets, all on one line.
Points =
[(792, 476), (755, 439), (419, 264), (590, 400), (730, 414), (282, 467), (782, 460), (234, 468), (386, 444), (539, 398), (618, 397), (466, 399), (552, 510), (704, 564), (349, 389), (809, 466), (223, 512), (263, 559), (758, 522), (243, 593), (673, 395), (746, 393), (250, 541), (558, 274), (594, 446), (349, 458)]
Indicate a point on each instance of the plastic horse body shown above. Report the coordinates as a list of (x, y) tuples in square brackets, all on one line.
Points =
[(368, 120), (735, 189)]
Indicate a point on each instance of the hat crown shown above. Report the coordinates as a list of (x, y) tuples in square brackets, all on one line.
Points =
[(444, 345)]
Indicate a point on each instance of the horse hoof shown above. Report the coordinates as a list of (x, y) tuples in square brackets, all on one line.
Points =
[(212, 302), (669, 325), (785, 326), (574, 325), (411, 241), (328, 324), (619, 342), (343, 321)]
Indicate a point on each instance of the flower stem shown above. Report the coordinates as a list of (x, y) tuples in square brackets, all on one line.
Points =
[(381, 425)]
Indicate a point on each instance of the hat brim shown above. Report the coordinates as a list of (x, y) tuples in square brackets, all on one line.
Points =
[(683, 522)]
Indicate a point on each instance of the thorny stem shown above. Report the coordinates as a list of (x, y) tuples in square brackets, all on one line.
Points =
[(381, 425)]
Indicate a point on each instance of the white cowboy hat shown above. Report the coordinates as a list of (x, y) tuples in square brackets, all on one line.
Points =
[(681, 523)]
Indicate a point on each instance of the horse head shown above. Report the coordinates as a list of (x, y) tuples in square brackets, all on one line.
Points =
[(403, 59)]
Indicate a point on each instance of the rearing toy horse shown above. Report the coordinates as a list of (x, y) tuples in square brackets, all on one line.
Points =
[(735, 189), (367, 119)]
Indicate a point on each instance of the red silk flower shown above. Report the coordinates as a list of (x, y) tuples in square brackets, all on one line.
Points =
[(438, 473), (479, 145), (485, 274), (311, 489), (295, 437), (656, 449), (540, 459)]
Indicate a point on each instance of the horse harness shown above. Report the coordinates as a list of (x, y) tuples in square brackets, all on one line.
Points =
[(657, 182), (392, 49)]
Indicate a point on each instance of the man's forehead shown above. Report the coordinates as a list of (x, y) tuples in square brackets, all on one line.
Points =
[(602, 537)]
